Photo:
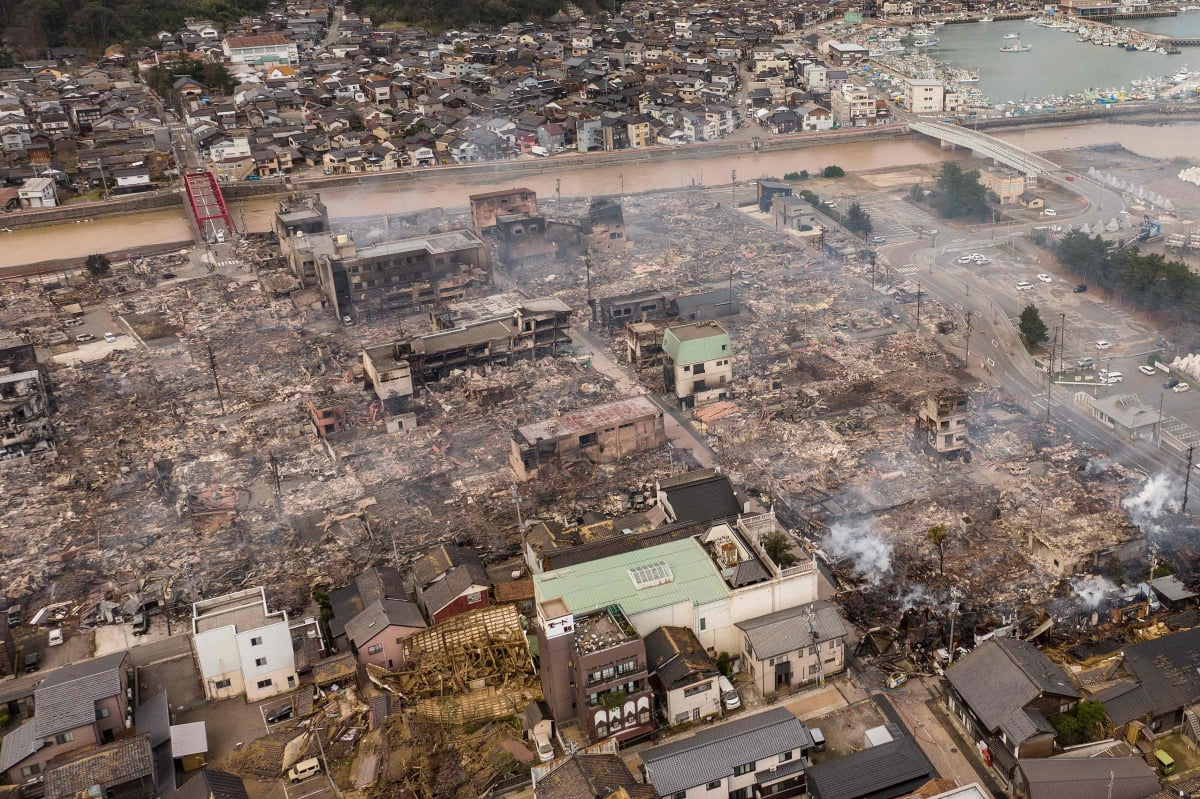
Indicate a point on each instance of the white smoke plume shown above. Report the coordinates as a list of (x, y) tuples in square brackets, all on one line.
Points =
[(1092, 589), (911, 597), (858, 542), (1098, 465), (1160, 495)]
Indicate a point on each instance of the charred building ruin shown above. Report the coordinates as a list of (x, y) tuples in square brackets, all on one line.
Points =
[(604, 229), (24, 413), (487, 208), (943, 418)]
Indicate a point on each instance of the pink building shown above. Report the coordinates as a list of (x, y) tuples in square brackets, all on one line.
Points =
[(377, 634)]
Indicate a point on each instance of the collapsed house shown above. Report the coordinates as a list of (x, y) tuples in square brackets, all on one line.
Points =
[(25, 428), (1086, 543)]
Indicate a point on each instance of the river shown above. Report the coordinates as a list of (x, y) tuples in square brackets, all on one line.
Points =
[(107, 234)]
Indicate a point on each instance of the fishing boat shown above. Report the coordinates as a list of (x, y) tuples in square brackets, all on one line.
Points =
[(1012, 36), (1016, 47), (938, 22), (921, 31), (986, 19), (925, 43)]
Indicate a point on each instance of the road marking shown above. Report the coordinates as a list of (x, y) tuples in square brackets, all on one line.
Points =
[(908, 270)]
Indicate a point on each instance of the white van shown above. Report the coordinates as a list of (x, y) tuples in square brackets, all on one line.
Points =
[(728, 695), (818, 739), (304, 769), (545, 749)]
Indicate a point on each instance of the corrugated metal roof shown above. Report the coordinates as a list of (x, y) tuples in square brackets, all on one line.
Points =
[(188, 739), (1087, 778), (599, 583)]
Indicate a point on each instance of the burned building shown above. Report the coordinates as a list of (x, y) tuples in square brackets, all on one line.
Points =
[(943, 418), (643, 345), (24, 413), (497, 330), (523, 238), (600, 434), (301, 214), (697, 367), (604, 229), (485, 208), (704, 305), (1069, 546), (643, 306)]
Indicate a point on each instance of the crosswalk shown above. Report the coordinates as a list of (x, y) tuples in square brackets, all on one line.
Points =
[(229, 262), (908, 269)]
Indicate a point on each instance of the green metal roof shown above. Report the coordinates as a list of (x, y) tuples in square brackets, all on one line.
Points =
[(701, 341), (608, 581)]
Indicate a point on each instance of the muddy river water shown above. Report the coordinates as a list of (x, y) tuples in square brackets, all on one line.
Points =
[(117, 232)]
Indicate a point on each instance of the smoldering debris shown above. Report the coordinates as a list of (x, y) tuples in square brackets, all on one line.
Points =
[(1092, 590), (1160, 496), (857, 541)]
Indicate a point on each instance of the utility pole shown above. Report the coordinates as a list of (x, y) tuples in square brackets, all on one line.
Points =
[(587, 266), (967, 343), (733, 187), (212, 362), (918, 298), (1062, 339), (1187, 481), (1161, 394), (558, 195), (275, 478), (517, 501), (1050, 375)]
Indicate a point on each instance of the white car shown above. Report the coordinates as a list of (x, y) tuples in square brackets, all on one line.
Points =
[(56, 635), (1045, 278), (978, 257), (1050, 212), (1182, 387), (1023, 286), (1103, 345), (984, 261), (1146, 370), (965, 259), (110, 337)]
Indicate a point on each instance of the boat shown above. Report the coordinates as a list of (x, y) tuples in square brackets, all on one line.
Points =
[(1131, 48), (1016, 47), (1012, 36), (986, 19), (921, 31), (925, 43), (938, 22)]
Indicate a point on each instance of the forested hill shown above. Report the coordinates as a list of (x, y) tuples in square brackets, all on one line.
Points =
[(30, 26)]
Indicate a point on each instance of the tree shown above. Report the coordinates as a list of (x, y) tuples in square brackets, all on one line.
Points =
[(1087, 722), (832, 171), (858, 221), (98, 264), (791, 176), (1032, 328), (779, 549), (810, 196), (915, 192), (937, 536), (960, 194)]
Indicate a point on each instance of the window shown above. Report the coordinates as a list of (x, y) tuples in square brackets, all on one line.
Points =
[(714, 785), (474, 596), (374, 649), (698, 369), (697, 689), (679, 795), (703, 623), (265, 683), (256, 641), (785, 757), (219, 684), (102, 713), (588, 439), (740, 793), (30, 770), (64, 738), (260, 661), (627, 667), (745, 768)]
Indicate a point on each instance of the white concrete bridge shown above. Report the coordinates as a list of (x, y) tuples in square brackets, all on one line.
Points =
[(989, 146)]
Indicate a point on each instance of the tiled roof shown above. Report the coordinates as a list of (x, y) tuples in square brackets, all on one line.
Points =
[(18, 745), (678, 657), (1004, 675), (1168, 668), (587, 776), (457, 581), (108, 766), (788, 630), (382, 614), (714, 753), (67, 698), (895, 768), (1087, 778)]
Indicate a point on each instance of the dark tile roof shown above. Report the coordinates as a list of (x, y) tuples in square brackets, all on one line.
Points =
[(676, 655), (1125, 701), (713, 753), (452, 585), (706, 497), (377, 582), (107, 766), (382, 614), (788, 630), (153, 718), (586, 776), (67, 698), (440, 559), (1088, 778), (1003, 676), (18, 745), (1168, 669), (895, 768), (213, 783)]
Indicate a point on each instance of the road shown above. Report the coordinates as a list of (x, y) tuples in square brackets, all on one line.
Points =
[(987, 308)]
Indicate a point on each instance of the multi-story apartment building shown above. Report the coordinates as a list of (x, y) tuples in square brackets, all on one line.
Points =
[(242, 647), (601, 434), (698, 367), (853, 106)]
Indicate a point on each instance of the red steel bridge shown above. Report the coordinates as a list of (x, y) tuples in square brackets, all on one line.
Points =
[(213, 222)]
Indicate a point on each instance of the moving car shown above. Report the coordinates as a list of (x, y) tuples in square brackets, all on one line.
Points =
[(1146, 370), (1050, 212), (1023, 286), (1103, 345), (1045, 278), (879, 240)]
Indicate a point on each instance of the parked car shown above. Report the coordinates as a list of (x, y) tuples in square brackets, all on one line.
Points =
[(56, 637), (253, 177), (33, 662), (1082, 287), (964, 259), (829, 203), (110, 337), (1045, 278), (141, 624), (1146, 370), (1111, 378), (728, 695), (1170, 384), (304, 769), (545, 749), (1086, 363), (1049, 212), (73, 322), (1103, 345), (281, 713), (1023, 286), (82, 337), (879, 240), (1182, 387)]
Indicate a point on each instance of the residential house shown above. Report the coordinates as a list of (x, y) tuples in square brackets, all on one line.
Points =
[(814, 118), (38, 193), (760, 755), (450, 580), (243, 647), (376, 635), (372, 585), (1004, 693), (699, 495), (211, 783), (1006, 184), (768, 190), (122, 770), (1157, 683), (853, 106), (600, 434), (81, 705), (697, 366), (1108, 777), (585, 775), (893, 766), (683, 676), (795, 647)]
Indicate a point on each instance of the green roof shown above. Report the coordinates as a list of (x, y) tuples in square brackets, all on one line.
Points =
[(609, 581), (700, 341)]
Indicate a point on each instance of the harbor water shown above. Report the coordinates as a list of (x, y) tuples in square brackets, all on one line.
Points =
[(1058, 64)]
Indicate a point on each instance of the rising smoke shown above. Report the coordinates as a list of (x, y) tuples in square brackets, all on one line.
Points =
[(1092, 590), (912, 596), (1159, 496), (857, 541)]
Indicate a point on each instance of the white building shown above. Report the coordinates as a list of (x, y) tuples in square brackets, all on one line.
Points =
[(922, 96), (242, 647), (38, 193), (271, 48), (235, 147)]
